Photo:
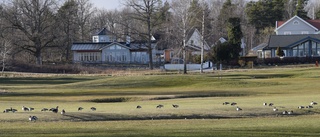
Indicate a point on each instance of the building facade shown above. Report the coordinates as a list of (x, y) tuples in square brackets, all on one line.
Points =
[(105, 49), (296, 38)]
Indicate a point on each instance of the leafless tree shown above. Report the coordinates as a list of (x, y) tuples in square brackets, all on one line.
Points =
[(289, 9), (84, 16), (34, 23), (182, 21), (67, 16), (312, 7), (5, 50), (145, 11)]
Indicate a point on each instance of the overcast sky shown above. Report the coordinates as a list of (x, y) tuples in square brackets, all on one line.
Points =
[(108, 4)]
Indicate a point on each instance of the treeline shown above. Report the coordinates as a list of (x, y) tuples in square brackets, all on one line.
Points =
[(42, 31)]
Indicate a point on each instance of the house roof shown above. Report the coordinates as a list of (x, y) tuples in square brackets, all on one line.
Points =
[(196, 47), (104, 31), (88, 46), (312, 23), (287, 41), (315, 23), (259, 47), (135, 46)]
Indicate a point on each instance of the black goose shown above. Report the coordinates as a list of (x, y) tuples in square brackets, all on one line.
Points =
[(33, 118), (55, 110), (80, 108), (93, 108)]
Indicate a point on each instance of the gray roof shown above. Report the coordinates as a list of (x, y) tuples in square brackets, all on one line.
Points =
[(287, 41), (100, 46), (88, 46), (104, 31), (259, 47)]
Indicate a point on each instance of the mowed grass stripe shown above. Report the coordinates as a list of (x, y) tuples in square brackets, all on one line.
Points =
[(199, 96)]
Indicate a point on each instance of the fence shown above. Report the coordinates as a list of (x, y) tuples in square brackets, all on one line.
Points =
[(206, 65)]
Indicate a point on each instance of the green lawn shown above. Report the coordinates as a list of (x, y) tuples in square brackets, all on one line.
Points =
[(199, 96)]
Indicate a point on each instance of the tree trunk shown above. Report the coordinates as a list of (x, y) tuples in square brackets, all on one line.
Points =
[(184, 61), (149, 43), (184, 52), (202, 43), (38, 57)]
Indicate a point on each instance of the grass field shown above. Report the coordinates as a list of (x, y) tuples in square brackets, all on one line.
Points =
[(199, 96)]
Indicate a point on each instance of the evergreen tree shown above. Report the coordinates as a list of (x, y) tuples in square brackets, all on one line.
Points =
[(280, 52), (317, 14), (229, 50), (226, 12), (234, 35), (221, 53), (300, 10), (264, 13)]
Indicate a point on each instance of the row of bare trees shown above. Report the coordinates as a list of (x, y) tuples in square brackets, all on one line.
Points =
[(37, 31)]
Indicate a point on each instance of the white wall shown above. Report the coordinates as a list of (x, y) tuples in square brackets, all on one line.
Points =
[(189, 66)]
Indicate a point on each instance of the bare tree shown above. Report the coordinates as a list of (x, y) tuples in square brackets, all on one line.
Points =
[(34, 23), (145, 13), (110, 20), (84, 16), (182, 20), (5, 50), (67, 15), (312, 7)]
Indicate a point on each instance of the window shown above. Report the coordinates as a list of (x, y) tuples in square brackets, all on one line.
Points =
[(315, 51), (103, 39), (90, 56), (304, 32), (287, 33), (95, 39)]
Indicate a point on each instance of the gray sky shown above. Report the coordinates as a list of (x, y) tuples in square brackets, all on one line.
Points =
[(108, 4)]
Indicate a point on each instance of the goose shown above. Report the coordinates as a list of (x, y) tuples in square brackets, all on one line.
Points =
[(271, 104), (30, 108), (285, 112), (300, 107), (265, 104), (233, 103), (44, 109), (309, 106), (24, 108), (63, 112), (290, 112), (6, 110), (93, 108), (175, 105), (138, 107), (238, 109), (313, 103), (275, 109), (13, 110), (55, 110), (225, 103), (33, 118), (80, 108), (159, 106)]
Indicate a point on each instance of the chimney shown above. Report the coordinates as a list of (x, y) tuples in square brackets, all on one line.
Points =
[(128, 40)]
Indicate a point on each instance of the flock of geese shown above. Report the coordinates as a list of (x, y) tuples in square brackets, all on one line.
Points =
[(34, 118), (62, 112), (312, 103)]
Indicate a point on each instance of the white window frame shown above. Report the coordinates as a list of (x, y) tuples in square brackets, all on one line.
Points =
[(287, 33)]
